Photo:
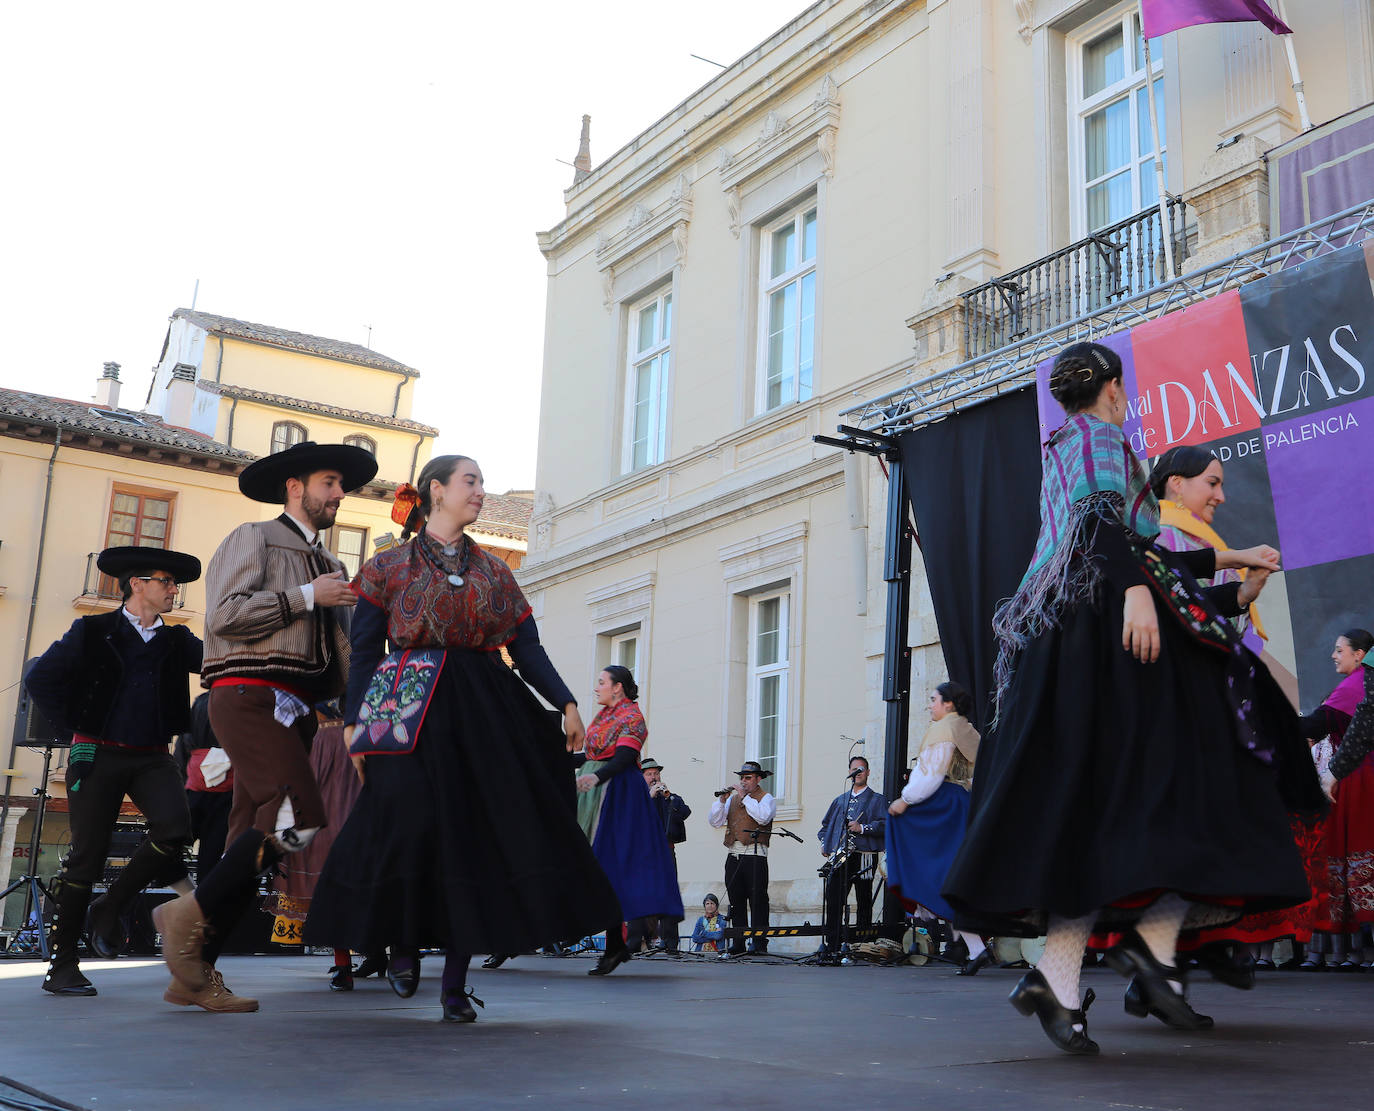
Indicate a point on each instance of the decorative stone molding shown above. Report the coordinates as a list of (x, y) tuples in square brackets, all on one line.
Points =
[(1231, 201), (782, 135), (1025, 15), (642, 228), (938, 328), (734, 203), (780, 551), (622, 602)]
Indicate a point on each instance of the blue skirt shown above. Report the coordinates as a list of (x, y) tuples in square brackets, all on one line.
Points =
[(921, 846), (633, 850)]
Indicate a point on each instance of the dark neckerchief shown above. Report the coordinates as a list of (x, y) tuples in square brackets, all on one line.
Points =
[(296, 527)]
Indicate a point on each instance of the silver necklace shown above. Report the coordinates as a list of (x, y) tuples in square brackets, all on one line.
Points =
[(455, 578)]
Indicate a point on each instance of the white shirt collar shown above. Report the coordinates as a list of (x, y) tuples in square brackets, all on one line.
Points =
[(143, 630), (310, 533)]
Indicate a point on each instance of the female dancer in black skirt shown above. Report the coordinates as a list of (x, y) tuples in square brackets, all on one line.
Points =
[(1135, 777), (465, 835)]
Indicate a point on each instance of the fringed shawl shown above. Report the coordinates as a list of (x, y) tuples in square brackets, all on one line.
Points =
[(1091, 476), (1087, 456)]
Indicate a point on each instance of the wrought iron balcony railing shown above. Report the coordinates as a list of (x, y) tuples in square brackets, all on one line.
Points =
[(102, 586), (1113, 264)]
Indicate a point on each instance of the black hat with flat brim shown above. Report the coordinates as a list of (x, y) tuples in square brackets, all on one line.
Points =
[(265, 479), (118, 562), (753, 767)]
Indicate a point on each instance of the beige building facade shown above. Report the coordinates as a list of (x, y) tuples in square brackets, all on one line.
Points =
[(809, 230)]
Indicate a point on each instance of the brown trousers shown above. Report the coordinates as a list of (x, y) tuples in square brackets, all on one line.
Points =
[(271, 761)]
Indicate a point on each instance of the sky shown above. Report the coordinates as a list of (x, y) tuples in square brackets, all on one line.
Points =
[(324, 168)]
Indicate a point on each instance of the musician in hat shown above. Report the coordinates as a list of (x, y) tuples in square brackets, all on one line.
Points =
[(745, 811), (117, 682), (673, 813), (277, 608)]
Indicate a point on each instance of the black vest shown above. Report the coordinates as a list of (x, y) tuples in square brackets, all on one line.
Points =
[(130, 692)]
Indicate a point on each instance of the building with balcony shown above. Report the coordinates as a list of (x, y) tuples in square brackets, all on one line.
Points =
[(879, 192)]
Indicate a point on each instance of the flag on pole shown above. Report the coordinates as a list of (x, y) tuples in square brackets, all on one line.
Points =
[(1162, 16)]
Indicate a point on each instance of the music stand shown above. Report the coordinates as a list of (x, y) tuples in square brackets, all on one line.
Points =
[(36, 889)]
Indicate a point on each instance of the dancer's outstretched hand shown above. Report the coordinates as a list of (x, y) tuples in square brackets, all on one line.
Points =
[(1262, 557)]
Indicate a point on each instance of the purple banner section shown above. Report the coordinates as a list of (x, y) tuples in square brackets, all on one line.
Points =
[(1324, 508), (1162, 16), (1325, 171)]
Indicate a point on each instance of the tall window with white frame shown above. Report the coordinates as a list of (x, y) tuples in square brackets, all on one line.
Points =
[(625, 651), (787, 311), (646, 381), (1110, 118), (766, 730)]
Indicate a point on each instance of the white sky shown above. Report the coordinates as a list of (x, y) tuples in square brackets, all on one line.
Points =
[(322, 167)]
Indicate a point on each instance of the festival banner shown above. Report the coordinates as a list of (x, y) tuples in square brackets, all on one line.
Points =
[(1277, 381)]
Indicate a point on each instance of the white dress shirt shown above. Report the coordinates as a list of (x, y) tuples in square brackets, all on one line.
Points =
[(145, 632), (308, 590)]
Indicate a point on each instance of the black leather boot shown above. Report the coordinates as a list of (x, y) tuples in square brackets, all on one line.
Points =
[(105, 931), (69, 909)]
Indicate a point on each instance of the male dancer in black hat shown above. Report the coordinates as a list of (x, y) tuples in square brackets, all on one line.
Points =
[(118, 683), (276, 642)]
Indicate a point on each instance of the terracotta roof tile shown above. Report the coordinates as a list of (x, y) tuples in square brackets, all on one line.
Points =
[(304, 405), (123, 425), (294, 341), (505, 515)]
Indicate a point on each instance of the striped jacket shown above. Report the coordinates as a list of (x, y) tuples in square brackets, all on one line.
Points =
[(256, 622)]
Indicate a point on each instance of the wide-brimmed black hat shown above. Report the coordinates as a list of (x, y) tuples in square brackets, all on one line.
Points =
[(118, 562), (753, 767), (265, 479)]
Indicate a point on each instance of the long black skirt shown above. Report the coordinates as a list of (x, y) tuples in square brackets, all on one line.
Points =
[(471, 841), (1107, 782)]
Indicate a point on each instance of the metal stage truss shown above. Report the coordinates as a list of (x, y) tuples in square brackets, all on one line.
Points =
[(1012, 367)]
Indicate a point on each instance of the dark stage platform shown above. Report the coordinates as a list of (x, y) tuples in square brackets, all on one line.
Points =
[(660, 1033)]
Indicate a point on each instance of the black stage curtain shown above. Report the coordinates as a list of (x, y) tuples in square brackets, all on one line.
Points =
[(974, 482)]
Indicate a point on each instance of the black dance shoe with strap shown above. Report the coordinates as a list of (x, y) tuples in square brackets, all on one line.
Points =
[(457, 1008), (1067, 1029), (341, 977), (1151, 990), (371, 966), (404, 981), (610, 961), (975, 965)]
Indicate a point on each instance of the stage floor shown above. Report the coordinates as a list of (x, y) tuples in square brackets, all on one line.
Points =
[(667, 1034)]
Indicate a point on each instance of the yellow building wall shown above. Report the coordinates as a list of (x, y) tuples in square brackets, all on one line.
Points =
[(297, 374), (252, 431)]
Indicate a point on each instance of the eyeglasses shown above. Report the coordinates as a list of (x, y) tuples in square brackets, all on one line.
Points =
[(165, 580)]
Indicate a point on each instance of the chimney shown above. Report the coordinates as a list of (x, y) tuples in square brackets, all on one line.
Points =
[(181, 393), (107, 387), (582, 164)]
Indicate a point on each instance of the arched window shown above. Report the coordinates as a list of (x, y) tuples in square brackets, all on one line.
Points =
[(285, 434), (367, 443)]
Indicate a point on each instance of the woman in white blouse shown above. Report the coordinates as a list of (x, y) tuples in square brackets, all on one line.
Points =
[(928, 820)]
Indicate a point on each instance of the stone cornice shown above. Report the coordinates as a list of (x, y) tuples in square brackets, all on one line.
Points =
[(782, 135), (707, 120), (792, 485)]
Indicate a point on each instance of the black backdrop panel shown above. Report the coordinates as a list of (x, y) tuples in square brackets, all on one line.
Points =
[(975, 490)]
